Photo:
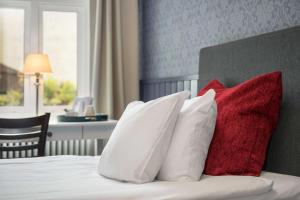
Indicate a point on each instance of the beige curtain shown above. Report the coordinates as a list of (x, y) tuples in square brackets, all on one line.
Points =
[(115, 76)]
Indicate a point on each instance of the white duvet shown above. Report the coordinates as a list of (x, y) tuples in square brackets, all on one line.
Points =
[(75, 177)]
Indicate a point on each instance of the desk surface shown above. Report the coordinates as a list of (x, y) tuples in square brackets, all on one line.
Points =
[(94, 123)]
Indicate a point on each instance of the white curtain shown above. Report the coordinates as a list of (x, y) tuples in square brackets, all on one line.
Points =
[(114, 59)]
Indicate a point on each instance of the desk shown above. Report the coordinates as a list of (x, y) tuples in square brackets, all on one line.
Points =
[(80, 130)]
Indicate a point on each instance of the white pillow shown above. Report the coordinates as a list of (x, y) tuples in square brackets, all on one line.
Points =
[(193, 132), (140, 141)]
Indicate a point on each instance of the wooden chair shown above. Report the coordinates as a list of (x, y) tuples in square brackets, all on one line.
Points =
[(23, 135)]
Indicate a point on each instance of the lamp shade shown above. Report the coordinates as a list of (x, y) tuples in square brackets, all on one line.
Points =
[(37, 63)]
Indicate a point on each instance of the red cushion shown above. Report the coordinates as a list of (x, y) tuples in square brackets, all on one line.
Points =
[(247, 115)]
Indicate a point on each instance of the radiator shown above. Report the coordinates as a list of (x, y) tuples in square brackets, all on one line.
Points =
[(89, 147)]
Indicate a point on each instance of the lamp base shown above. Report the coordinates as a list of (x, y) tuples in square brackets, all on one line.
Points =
[(37, 85)]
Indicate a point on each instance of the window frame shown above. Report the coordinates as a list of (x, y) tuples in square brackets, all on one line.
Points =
[(27, 107), (33, 28), (81, 8)]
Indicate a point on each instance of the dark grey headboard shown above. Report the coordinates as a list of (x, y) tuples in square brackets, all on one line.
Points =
[(240, 60), (237, 61)]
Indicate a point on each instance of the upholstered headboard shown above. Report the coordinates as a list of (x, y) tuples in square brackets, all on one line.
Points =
[(240, 60), (237, 61)]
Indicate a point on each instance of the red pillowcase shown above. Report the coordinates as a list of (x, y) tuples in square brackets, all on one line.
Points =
[(247, 115)]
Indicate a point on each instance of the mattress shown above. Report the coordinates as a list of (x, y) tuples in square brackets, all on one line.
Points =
[(75, 177)]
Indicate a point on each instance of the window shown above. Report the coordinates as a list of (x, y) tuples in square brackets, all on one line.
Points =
[(60, 43), (59, 28), (11, 56)]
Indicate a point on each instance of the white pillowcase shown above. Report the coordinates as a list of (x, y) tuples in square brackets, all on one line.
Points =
[(193, 132), (140, 141)]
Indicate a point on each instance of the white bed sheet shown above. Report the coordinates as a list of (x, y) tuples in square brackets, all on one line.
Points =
[(75, 177), (285, 187)]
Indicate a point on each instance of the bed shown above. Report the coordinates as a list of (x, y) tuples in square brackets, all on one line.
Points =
[(75, 177)]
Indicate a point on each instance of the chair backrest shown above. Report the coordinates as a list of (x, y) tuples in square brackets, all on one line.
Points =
[(24, 134)]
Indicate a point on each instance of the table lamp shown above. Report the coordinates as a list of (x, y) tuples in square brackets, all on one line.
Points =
[(37, 64)]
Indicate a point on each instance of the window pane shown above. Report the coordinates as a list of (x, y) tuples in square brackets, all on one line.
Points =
[(60, 43), (11, 57)]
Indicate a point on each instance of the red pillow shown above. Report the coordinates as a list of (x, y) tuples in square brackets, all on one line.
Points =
[(247, 115)]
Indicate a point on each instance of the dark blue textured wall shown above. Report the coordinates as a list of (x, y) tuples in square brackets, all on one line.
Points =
[(173, 31)]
